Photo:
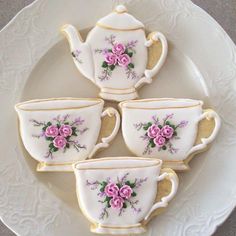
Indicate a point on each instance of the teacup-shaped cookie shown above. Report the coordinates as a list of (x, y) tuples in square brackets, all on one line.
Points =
[(167, 129), (58, 132), (118, 194)]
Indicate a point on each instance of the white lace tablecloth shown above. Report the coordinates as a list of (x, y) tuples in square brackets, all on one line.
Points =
[(224, 11)]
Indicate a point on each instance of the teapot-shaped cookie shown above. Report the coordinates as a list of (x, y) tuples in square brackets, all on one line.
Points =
[(115, 54)]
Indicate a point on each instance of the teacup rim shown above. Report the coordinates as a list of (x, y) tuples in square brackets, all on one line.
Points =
[(155, 162), (18, 105), (125, 104)]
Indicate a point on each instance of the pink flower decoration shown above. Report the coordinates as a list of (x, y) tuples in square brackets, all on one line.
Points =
[(110, 58), (126, 191), (117, 202), (118, 48), (159, 141), (153, 131), (65, 130), (167, 131), (59, 142), (51, 131), (111, 190), (124, 60)]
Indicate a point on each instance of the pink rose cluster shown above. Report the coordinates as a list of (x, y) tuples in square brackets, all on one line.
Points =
[(59, 135), (118, 195), (160, 135), (118, 55)]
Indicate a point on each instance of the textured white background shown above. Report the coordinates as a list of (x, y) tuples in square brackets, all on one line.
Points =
[(224, 11)]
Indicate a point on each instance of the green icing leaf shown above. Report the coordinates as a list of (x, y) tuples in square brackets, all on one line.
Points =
[(134, 194), (104, 64), (132, 185), (49, 138), (151, 143), (124, 205), (104, 184), (68, 145), (44, 128), (49, 123), (66, 123), (163, 147), (131, 65), (147, 126), (112, 67), (109, 50), (74, 133), (130, 54), (54, 149)]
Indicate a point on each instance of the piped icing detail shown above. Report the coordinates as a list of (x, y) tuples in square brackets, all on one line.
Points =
[(61, 133), (117, 54), (117, 195), (160, 134)]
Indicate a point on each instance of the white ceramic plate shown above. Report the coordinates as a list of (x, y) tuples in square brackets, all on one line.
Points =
[(35, 63)]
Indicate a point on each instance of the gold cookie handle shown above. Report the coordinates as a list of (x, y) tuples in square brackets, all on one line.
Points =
[(149, 73), (173, 178), (208, 114), (110, 112)]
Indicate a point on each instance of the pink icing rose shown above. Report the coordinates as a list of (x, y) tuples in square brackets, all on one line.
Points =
[(159, 141), (126, 191), (51, 131), (110, 58), (111, 190), (65, 130), (153, 131), (118, 48), (117, 202), (124, 60), (59, 142), (167, 131)]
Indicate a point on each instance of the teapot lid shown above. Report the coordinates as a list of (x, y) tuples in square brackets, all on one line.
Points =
[(119, 19)]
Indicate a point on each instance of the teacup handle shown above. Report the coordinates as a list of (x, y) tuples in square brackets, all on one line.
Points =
[(106, 140), (148, 74), (208, 114), (173, 178)]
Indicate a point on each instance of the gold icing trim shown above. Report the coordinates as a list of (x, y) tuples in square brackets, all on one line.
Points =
[(120, 12), (156, 162), (17, 106), (122, 104), (119, 88), (120, 227), (118, 92), (117, 29)]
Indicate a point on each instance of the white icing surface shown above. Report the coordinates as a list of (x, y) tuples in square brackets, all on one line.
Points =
[(188, 110), (90, 111), (115, 168), (122, 28)]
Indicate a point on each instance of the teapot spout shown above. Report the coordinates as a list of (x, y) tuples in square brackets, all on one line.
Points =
[(80, 51)]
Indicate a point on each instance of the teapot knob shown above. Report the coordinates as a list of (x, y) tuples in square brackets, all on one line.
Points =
[(120, 9)]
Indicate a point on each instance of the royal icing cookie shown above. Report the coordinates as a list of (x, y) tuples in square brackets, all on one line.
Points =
[(59, 132), (119, 195), (115, 54), (173, 130)]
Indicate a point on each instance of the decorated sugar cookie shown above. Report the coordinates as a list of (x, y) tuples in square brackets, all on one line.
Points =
[(119, 195), (59, 132), (115, 54), (173, 130)]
